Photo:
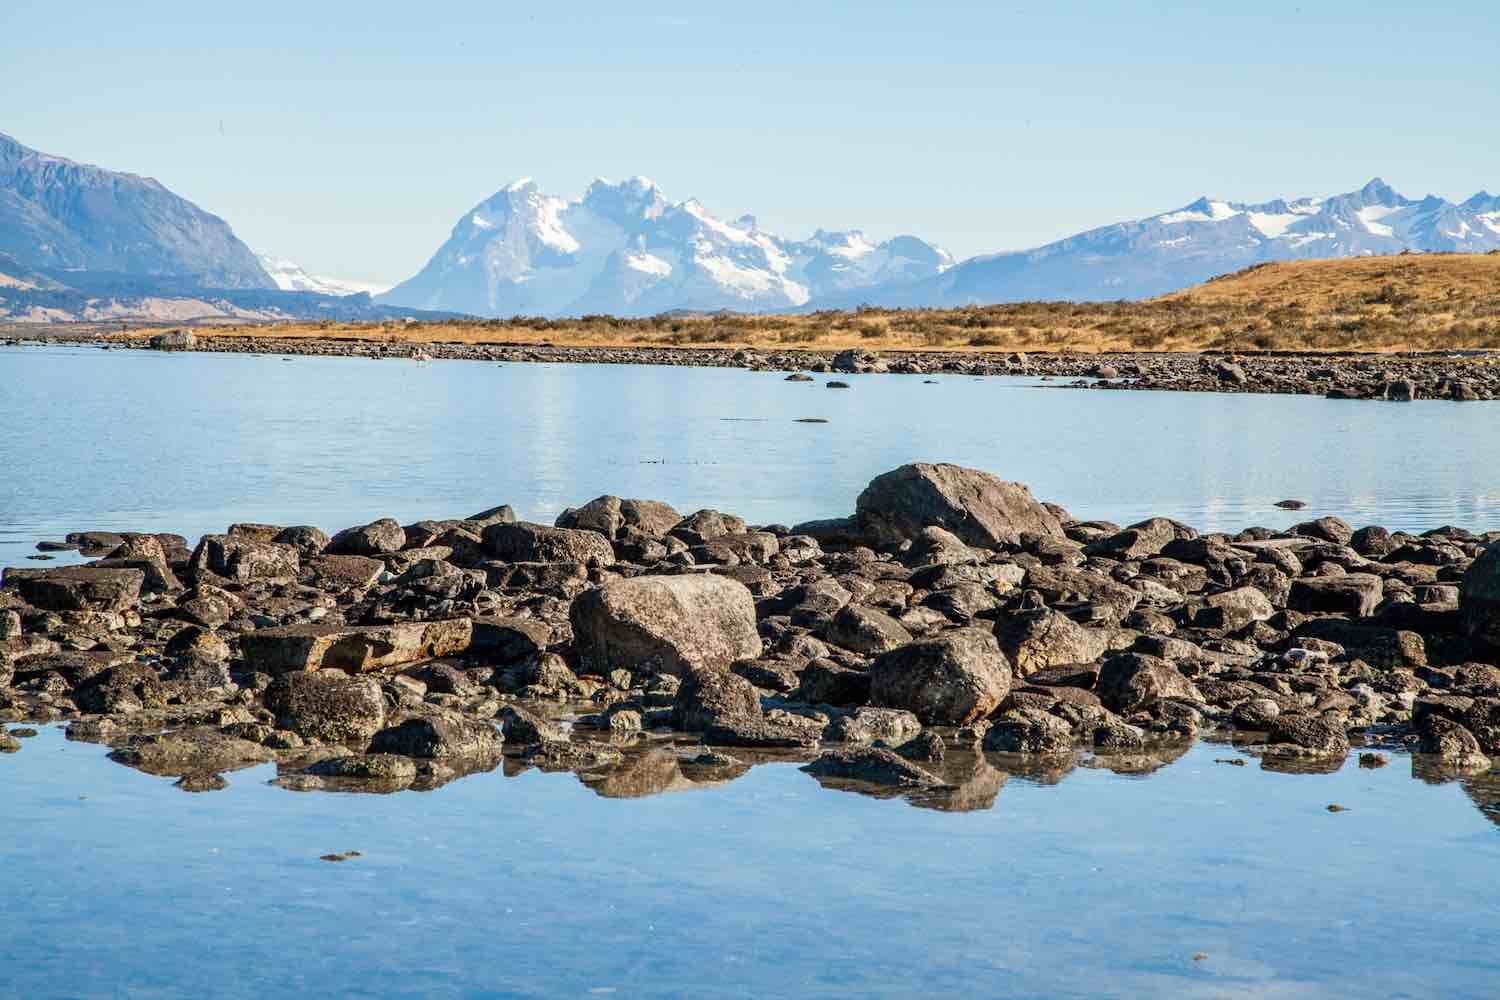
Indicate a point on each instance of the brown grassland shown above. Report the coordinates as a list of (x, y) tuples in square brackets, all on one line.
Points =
[(1415, 302)]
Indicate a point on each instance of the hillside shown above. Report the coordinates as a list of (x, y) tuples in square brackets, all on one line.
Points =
[(1412, 302)]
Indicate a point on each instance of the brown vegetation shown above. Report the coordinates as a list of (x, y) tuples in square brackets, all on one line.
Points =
[(1410, 302)]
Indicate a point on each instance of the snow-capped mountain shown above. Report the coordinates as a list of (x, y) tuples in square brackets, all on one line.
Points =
[(290, 277), (624, 249), (1176, 249)]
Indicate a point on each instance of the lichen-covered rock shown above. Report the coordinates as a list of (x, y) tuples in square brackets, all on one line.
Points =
[(710, 697), (953, 679), (872, 765), (355, 649), (328, 706), (665, 624), (78, 588), (1028, 730), (374, 539), (245, 559), (1129, 682), (438, 735), (526, 542), (1042, 638)]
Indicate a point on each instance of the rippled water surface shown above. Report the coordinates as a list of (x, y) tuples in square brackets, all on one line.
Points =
[(1200, 879), (192, 442)]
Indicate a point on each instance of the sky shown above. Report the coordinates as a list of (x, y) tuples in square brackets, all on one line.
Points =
[(350, 137)]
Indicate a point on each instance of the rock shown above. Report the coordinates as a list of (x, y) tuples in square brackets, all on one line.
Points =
[(665, 624), (208, 606), (374, 539), (340, 574), (376, 767), (826, 683), (956, 678), (1232, 610), (613, 517), (195, 750), (564, 755), (1452, 742), (709, 697), (506, 640), (1329, 529), (1129, 682), (127, 687), (1141, 540), (925, 746), (759, 732), (307, 540), (78, 588), (355, 649), (526, 542), (1029, 730), (1256, 714), (1316, 733), (1479, 598), (1043, 638), (978, 508), (1355, 594), (327, 705), (866, 630), (523, 727), (872, 765), (174, 340), (438, 735), (244, 559), (866, 725), (199, 643)]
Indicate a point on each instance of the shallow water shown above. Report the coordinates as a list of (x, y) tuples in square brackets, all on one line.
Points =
[(192, 442), (115, 883), (1078, 884)]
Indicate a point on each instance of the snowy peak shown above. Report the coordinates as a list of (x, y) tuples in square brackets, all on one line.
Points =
[(291, 277), (624, 248)]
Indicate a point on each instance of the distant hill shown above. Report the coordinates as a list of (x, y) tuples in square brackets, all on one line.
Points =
[(1209, 237), (57, 215)]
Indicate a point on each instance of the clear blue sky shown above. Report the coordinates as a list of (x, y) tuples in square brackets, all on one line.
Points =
[(355, 134)]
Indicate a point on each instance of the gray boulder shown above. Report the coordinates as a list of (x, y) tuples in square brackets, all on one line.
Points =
[(78, 588), (978, 508), (665, 624), (374, 539), (527, 542)]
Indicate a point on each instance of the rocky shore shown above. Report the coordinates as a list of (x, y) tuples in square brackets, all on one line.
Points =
[(951, 631), (1459, 377)]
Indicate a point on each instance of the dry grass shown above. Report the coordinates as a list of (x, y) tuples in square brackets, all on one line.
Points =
[(1410, 302)]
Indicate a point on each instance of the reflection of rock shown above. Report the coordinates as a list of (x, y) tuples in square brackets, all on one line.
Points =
[(970, 783), (198, 750), (1043, 769), (1484, 791), (1433, 769), (1142, 762), (872, 765), (638, 776), (1282, 760)]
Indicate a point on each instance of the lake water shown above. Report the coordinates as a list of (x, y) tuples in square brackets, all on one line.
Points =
[(114, 883), (192, 442), (1198, 880)]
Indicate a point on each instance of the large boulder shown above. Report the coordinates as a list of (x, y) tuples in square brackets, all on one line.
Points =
[(355, 649), (327, 706), (78, 588), (527, 542), (711, 697), (665, 624), (956, 678), (866, 630), (245, 559), (611, 516), (980, 509)]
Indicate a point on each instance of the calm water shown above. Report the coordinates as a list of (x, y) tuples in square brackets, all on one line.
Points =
[(113, 883), (193, 442)]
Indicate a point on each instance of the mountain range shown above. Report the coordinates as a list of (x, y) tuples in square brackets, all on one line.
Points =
[(83, 242), (624, 249)]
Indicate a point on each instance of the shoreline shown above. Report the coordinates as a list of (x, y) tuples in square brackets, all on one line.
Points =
[(1456, 376), (952, 620)]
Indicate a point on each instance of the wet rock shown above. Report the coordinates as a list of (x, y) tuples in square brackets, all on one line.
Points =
[(759, 732), (327, 705), (1030, 731), (1317, 733), (195, 750), (376, 767), (709, 697), (867, 725), (355, 649), (564, 755), (872, 765), (979, 509), (1452, 742), (1479, 598), (953, 679), (78, 588), (926, 746), (665, 624), (128, 687), (437, 735)]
